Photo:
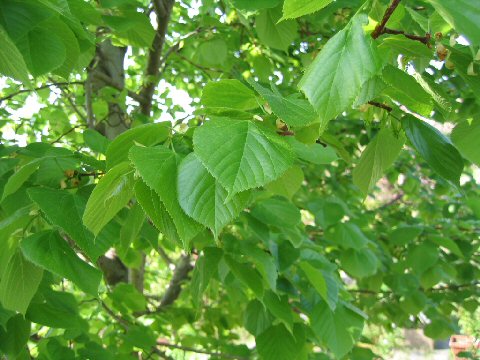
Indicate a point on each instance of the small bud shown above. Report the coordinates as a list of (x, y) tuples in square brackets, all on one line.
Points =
[(438, 36), (442, 51), (69, 173), (471, 69)]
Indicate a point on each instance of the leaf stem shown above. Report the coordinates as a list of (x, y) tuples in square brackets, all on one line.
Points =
[(386, 16)]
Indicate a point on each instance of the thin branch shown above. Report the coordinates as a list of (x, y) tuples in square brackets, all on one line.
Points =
[(380, 105), (386, 16), (88, 100), (423, 39), (58, 84), (124, 323), (66, 133), (163, 10), (201, 351)]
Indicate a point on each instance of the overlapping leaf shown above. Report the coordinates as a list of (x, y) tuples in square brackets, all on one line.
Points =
[(334, 79), (204, 199), (241, 155)]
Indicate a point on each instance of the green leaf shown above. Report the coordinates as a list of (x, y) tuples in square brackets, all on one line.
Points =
[(230, 94), (127, 298), (19, 282), (466, 137), (130, 229), (96, 141), (111, 194), (204, 199), (314, 153), (148, 135), (316, 278), (279, 307), (255, 5), (348, 235), (338, 330), (15, 336), (407, 47), (11, 60), (288, 184), (252, 157), (435, 148), (156, 211), (404, 234), (422, 257), (359, 263), (277, 343), (336, 76), (16, 181), (291, 110), (42, 50), (65, 210), (247, 274), (272, 33), (49, 251), (57, 310), (406, 90), (133, 26), (256, 318), (448, 244), (377, 157), (158, 167), (212, 53), (463, 15), (205, 268), (296, 8), (277, 211)]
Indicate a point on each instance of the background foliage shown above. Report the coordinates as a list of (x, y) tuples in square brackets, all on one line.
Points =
[(240, 179)]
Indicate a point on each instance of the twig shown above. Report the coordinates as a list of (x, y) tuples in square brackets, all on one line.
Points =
[(380, 105), (423, 39), (124, 323), (66, 133), (163, 10), (88, 100), (58, 84), (386, 16), (200, 351)]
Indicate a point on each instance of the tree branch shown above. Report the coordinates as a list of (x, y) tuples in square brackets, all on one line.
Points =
[(163, 10), (179, 275), (21, 91), (200, 351), (380, 105), (423, 39), (172, 293), (386, 16)]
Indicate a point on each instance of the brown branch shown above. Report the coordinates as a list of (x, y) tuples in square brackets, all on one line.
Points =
[(179, 275), (380, 105), (58, 84), (200, 351), (386, 16), (423, 39), (163, 10)]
